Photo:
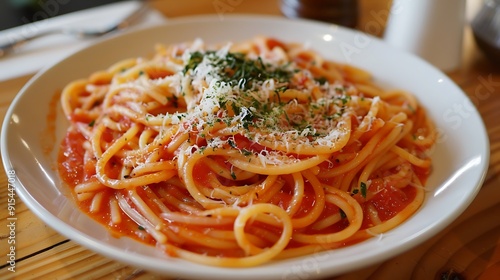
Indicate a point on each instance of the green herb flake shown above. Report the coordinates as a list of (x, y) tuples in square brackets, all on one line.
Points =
[(321, 80), (174, 100), (195, 59), (231, 143), (363, 189), (345, 99), (342, 214)]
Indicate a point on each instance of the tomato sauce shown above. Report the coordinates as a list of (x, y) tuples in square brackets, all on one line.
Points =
[(388, 200), (71, 165), (74, 171)]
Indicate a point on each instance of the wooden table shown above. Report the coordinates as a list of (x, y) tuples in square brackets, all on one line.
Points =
[(467, 249)]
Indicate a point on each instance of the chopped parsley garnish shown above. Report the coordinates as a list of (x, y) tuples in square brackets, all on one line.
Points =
[(261, 100), (321, 80), (342, 214), (174, 100), (362, 186), (246, 152), (362, 190), (345, 99), (231, 143), (238, 70), (194, 60)]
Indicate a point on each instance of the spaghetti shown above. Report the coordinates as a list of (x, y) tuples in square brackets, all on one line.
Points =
[(234, 155)]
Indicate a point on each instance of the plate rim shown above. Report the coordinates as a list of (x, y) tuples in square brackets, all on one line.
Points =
[(83, 240)]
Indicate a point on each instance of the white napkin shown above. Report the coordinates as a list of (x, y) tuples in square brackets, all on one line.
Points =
[(34, 55)]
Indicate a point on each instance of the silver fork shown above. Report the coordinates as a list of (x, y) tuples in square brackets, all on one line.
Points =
[(76, 32)]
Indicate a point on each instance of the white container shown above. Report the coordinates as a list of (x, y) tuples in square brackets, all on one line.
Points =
[(431, 29)]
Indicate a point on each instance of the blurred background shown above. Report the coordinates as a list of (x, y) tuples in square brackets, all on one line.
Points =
[(17, 12), (432, 29)]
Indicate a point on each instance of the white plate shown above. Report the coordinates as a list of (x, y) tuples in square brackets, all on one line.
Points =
[(460, 157)]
